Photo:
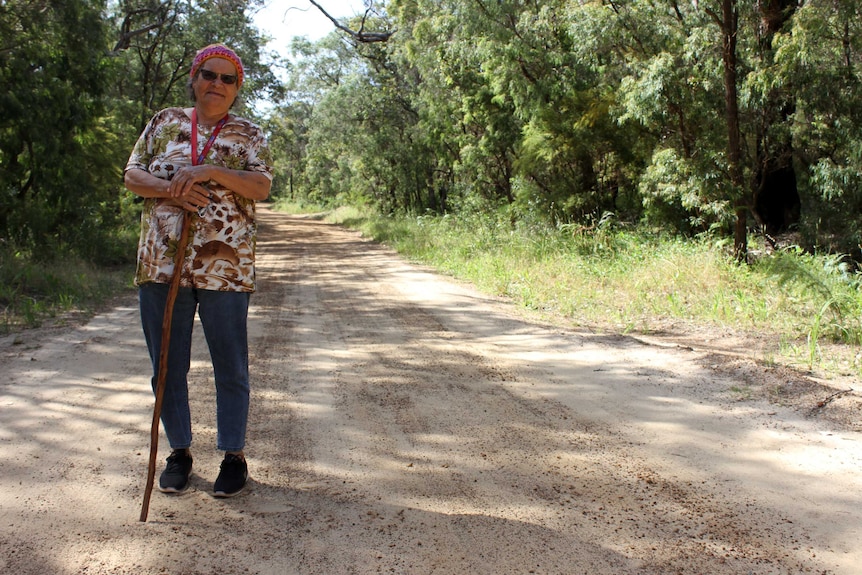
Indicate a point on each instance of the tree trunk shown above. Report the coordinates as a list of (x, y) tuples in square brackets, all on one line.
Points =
[(730, 24)]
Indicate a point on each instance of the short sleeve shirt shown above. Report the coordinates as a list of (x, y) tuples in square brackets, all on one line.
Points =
[(222, 236)]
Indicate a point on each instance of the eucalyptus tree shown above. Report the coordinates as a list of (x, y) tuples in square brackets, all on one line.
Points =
[(522, 94), (473, 135), (499, 89), (366, 138), (562, 74), (771, 196), (821, 58), (55, 152), (729, 162), (389, 148), (308, 130), (697, 116), (726, 17)]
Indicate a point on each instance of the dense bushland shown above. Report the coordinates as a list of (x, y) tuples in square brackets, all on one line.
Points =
[(715, 117)]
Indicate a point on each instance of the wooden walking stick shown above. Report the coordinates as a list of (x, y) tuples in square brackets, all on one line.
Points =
[(182, 242)]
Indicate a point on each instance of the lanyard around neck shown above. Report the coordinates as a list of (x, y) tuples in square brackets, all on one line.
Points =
[(196, 160)]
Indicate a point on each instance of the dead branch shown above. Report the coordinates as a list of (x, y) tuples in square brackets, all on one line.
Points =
[(126, 32), (821, 404), (361, 35)]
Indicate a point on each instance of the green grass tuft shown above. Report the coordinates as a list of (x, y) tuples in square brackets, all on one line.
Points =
[(31, 293)]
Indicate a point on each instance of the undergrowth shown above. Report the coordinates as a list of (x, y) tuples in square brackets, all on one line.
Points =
[(33, 291)]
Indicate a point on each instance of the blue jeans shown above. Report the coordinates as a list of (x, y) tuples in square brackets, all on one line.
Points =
[(224, 318)]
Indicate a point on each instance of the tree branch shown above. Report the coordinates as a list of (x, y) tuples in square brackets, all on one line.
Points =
[(821, 404), (361, 35), (126, 33)]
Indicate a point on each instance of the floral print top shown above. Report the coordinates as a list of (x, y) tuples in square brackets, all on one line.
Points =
[(222, 236)]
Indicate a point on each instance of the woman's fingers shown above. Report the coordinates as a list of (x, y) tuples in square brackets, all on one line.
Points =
[(184, 181)]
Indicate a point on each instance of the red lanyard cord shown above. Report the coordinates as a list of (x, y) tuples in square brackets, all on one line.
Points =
[(196, 160)]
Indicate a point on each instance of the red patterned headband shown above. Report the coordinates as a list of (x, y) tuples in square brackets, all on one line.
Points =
[(218, 51)]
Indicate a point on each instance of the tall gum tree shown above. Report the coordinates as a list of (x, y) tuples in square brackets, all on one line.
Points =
[(726, 17)]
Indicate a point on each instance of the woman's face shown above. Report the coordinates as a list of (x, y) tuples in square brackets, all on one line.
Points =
[(215, 95)]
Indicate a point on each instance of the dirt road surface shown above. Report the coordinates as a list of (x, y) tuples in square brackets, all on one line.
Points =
[(404, 423)]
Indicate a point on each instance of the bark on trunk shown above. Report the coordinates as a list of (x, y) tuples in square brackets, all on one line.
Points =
[(734, 150)]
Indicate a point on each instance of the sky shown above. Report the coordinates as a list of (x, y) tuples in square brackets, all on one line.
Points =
[(284, 19)]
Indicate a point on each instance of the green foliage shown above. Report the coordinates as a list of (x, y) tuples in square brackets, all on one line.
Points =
[(680, 192), (829, 285), (52, 146), (555, 110), (80, 80), (819, 58), (563, 110), (32, 293)]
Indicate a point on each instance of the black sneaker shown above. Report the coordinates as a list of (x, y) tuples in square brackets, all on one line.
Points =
[(232, 477), (175, 477)]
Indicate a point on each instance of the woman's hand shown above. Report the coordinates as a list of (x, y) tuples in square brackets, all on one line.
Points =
[(183, 184), (251, 185), (190, 198), (198, 196), (187, 189)]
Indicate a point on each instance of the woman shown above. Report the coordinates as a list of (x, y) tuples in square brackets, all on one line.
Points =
[(212, 166)]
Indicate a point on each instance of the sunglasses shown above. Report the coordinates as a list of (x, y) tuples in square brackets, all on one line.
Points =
[(210, 76)]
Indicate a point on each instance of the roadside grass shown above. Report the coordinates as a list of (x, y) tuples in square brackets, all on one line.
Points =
[(32, 292), (298, 207), (633, 281)]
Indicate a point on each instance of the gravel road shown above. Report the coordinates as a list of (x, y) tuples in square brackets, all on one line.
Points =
[(404, 423)]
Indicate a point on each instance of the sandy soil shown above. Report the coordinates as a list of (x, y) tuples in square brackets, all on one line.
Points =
[(404, 423)]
